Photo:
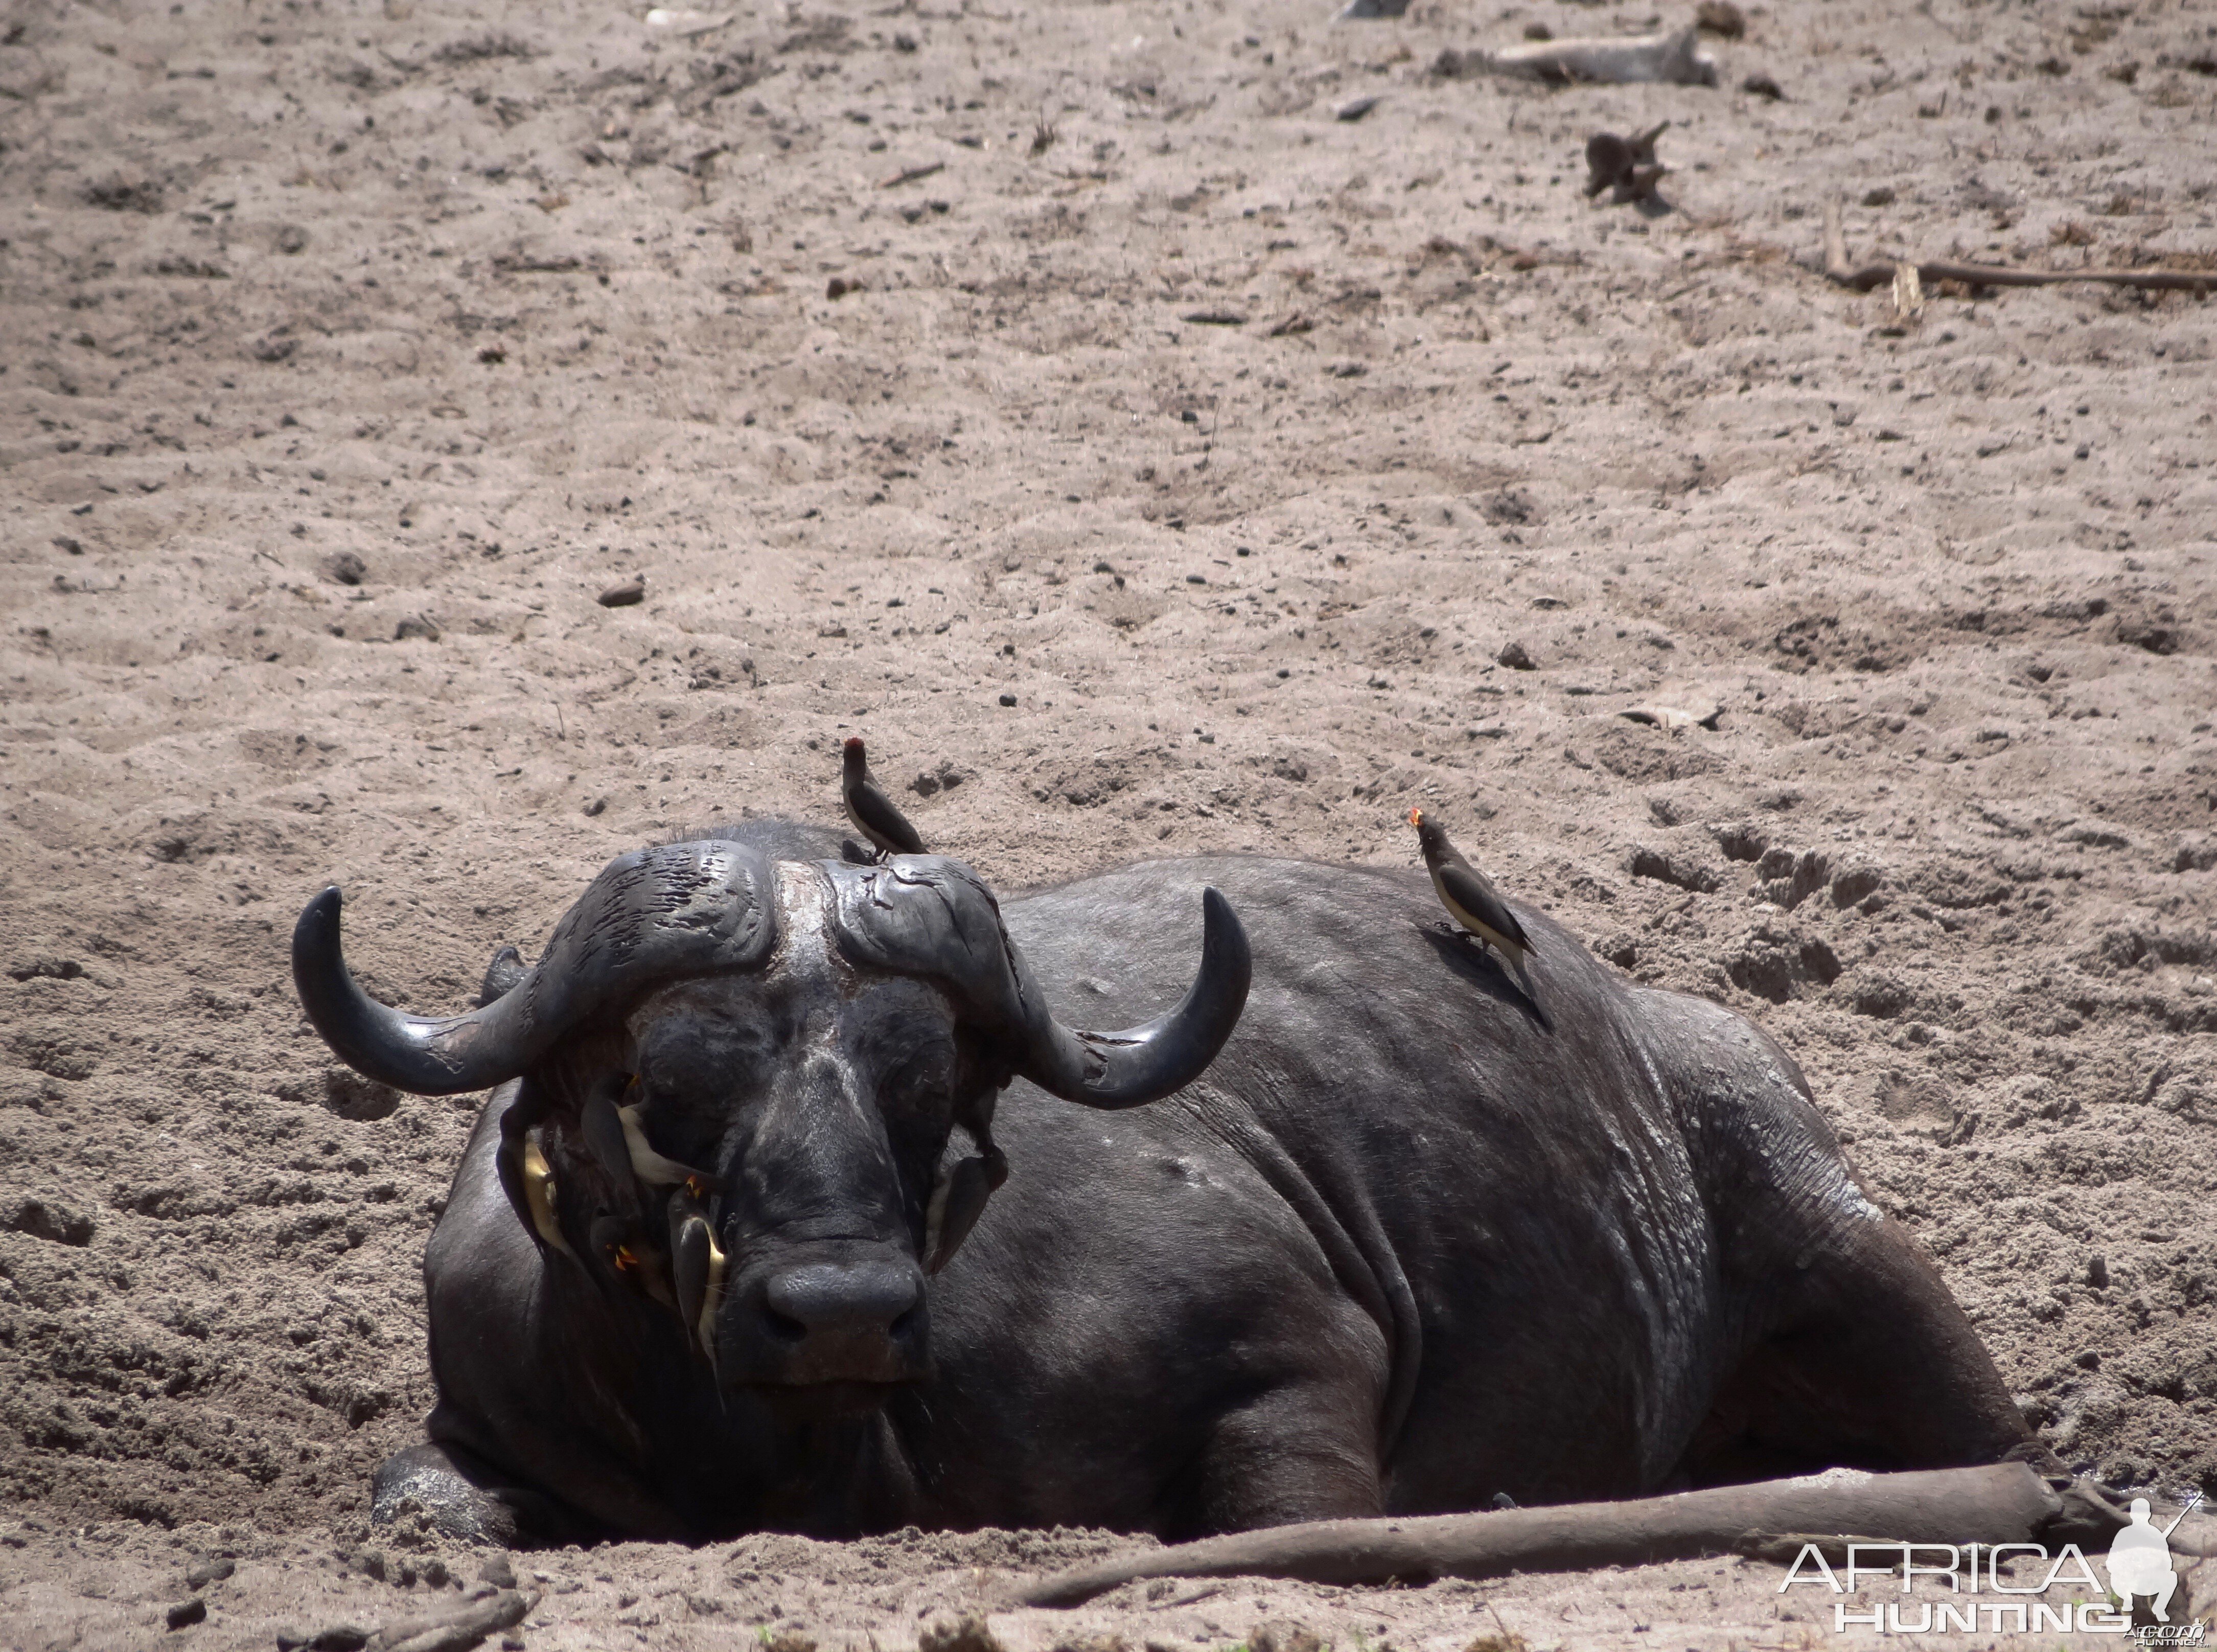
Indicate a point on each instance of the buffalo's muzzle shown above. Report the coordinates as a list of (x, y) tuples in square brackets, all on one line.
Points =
[(836, 1313)]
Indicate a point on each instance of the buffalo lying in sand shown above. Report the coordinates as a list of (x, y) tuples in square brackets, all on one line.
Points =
[(725, 1252)]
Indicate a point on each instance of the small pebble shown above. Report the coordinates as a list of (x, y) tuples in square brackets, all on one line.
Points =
[(1008, 699), (1721, 17), (496, 1570), (208, 1568), (1513, 655), (629, 594), (188, 1612)]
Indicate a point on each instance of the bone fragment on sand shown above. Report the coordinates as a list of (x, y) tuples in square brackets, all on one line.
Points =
[(1674, 58)]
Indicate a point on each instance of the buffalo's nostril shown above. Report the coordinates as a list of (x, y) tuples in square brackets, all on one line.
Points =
[(784, 1327), (843, 1298)]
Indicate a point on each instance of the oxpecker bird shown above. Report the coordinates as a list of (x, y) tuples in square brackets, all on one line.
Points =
[(1464, 890), (870, 809)]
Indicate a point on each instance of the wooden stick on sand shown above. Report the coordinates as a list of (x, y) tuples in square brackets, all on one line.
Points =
[(1879, 275)]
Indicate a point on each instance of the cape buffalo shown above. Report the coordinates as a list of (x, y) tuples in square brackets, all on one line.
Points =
[(725, 1251)]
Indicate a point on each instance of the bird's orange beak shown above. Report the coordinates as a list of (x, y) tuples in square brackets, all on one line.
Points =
[(1415, 817)]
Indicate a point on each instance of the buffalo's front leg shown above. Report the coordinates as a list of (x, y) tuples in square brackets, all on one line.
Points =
[(1870, 1363), (466, 1499), (1302, 1452)]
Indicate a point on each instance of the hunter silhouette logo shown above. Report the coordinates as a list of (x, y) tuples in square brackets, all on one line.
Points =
[(2139, 1558), (1984, 1590)]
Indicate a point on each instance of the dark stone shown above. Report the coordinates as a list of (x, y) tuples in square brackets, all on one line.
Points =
[(48, 970), (186, 1613), (208, 1568), (1665, 867), (55, 1223), (970, 1634), (1281, 1634)]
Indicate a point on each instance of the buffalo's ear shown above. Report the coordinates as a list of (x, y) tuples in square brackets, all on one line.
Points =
[(502, 976), (523, 1172), (957, 1203)]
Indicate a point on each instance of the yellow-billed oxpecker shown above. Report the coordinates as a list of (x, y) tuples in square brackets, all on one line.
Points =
[(1470, 898)]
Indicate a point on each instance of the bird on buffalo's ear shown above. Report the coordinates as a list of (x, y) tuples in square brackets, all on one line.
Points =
[(1467, 894), (958, 1200), (869, 809), (696, 1267)]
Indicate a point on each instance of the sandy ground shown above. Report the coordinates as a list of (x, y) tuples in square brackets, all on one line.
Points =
[(1167, 469)]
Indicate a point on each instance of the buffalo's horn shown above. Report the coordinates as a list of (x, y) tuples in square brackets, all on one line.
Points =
[(675, 910), (927, 915), (430, 1056), (1149, 1061)]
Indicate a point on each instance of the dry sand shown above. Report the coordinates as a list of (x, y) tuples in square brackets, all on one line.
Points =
[(347, 353)]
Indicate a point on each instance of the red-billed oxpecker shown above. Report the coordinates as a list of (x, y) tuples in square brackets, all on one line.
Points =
[(870, 809)]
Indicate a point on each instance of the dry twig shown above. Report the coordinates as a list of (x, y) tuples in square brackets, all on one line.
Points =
[(1883, 274)]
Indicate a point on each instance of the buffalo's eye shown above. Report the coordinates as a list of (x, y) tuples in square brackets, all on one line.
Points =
[(923, 1080)]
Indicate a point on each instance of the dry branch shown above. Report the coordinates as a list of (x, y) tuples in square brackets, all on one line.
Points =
[(1838, 268), (2005, 1502), (456, 1631), (910, 174)]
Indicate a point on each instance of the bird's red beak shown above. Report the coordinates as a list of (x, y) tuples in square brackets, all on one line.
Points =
[(1415, 817)]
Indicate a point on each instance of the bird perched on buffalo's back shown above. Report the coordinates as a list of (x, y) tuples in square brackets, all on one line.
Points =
[(870, 809), (1467, 894)]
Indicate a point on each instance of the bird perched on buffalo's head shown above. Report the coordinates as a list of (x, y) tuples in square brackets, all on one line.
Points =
[(870, 809), (1469, 897)]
